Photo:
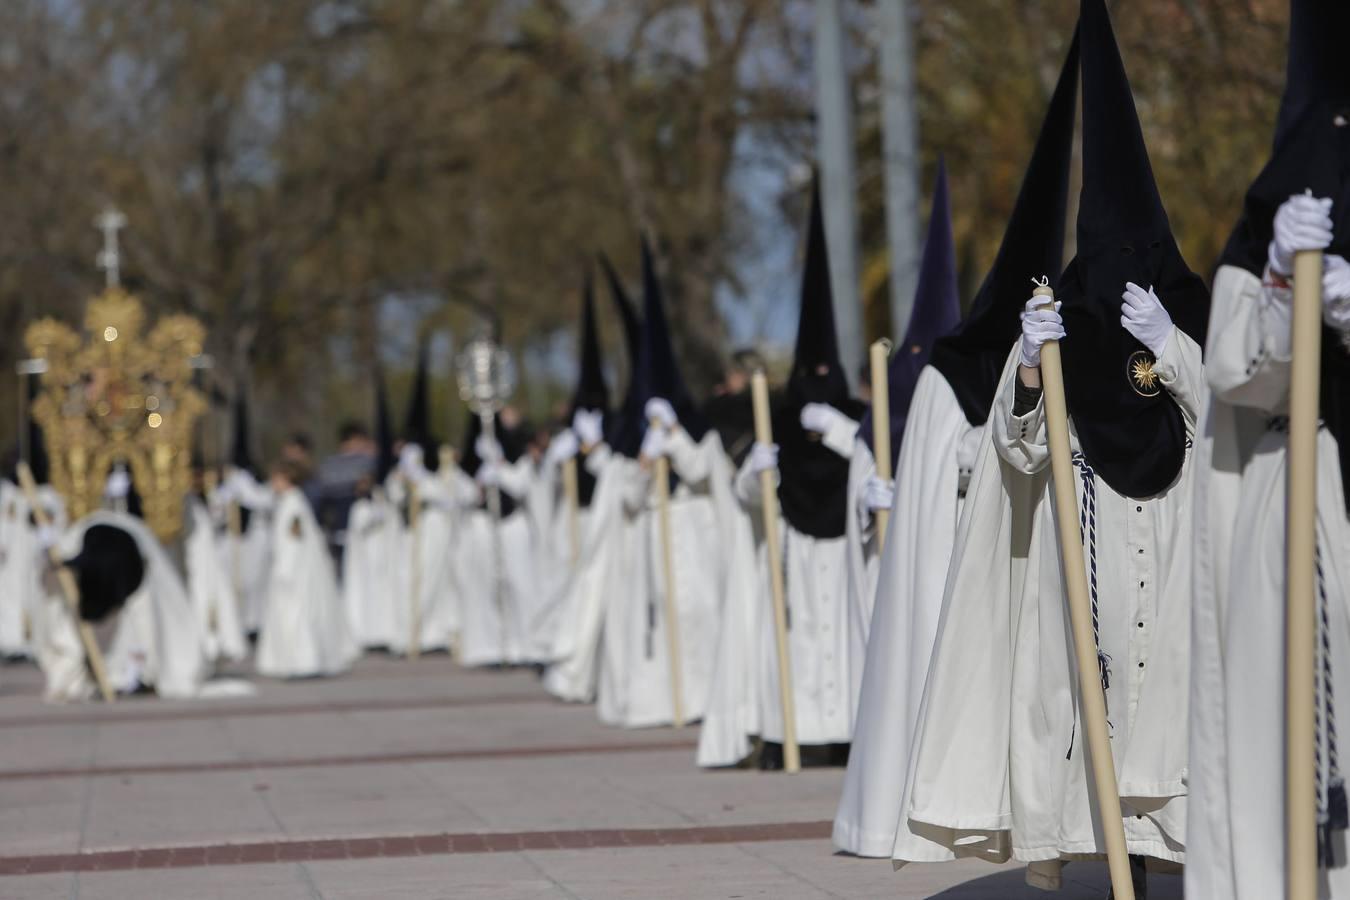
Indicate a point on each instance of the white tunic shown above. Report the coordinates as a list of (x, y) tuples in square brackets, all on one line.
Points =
[(1236, 831), (373, 578), (903, 622), (427, 545), (305, 630), (1000, 769), (210, 588), (247, 557), (698, 537), (22, 563), (495, 570)]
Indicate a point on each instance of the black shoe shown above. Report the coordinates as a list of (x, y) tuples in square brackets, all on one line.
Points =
[(771, 757), (1138, 876)]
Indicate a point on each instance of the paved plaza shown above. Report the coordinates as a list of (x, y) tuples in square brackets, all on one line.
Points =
[(417, 780)]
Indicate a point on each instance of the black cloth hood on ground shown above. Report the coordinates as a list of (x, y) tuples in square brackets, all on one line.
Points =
[(108, 569)]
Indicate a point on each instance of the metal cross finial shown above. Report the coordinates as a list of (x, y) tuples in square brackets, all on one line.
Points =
[(110, 221)]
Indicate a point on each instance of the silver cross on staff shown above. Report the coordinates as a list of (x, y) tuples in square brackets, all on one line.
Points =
[(110, 221)]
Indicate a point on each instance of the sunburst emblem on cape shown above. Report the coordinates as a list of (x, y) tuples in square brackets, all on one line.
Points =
[(1142, 374)]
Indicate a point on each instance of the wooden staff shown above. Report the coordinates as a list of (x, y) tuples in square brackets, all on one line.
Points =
[(662, 476), (881, 427), (1091, 696), (449, 462), (1301, 579), (70, 590), (415, 534), (759, 391), (573, 494)]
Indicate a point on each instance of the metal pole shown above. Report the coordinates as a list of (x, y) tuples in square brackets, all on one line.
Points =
[(900, 156), (834, 137)]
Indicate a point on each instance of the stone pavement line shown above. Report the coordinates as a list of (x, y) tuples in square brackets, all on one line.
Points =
[(213, 713), (237, 765), (300, 851)]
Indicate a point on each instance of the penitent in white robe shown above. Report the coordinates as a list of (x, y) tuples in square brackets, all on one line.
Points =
[(210, 588), (22, 562), (372, 580), (903, 622), (305, 631), (700, 507), (1235, 841), (1000, 769), (428, 547), (495, 570), (575, 650), (247, 557), (158, 640)]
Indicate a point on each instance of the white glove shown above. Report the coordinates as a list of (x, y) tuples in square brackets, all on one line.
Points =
[(563, 447), (1336, 292), (240, 485), (489, 475), (878, 493), (821, 417), (1143, 316), (589, 427), (488, 449), (1038, 326), (411, 462), (1303, 222), (118, 485), (762, 458), (654, 444), (661, 411)]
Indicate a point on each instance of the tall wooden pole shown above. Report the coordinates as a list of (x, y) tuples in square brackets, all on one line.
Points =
[(1301, 579), (661, 476), (70, 590), (1091, 696), (572, 492), (792, 758), (881, 426)]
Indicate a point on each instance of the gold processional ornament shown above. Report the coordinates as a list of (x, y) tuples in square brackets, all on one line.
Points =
[(117, 394)]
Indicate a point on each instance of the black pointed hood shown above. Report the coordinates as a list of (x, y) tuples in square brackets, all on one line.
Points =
[(657, 373), (241, 450), (813, 489), (385, 458), (592, 392), (623, 432), (108, 570), (972, 358), (937, 310), (1133, 436), (417, 423), (1311, 152)]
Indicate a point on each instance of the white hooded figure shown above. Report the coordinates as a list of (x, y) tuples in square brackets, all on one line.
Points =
[(815, 423), (1236, 838), (129, 589), (1000, 769), (22, 563), (245, 556), (305, 631), (211, 588), (373, 584)]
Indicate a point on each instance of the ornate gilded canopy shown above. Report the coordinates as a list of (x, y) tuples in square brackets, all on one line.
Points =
[(118, 393)]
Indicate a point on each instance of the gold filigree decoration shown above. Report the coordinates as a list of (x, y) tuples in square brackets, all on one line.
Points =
[(119, 394)]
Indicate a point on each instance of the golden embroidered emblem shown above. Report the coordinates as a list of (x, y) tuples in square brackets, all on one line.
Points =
[(1142, 375)]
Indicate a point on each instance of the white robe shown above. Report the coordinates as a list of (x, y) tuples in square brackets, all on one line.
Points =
[(575, 650), (1235, 840), (305, 629), (863, 552), (22, 562), (209, 586), (990, 777), (373, 581), (158, 640), (904, 617), (495, 570), (436, 582), (247, 557), (699, 522)]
